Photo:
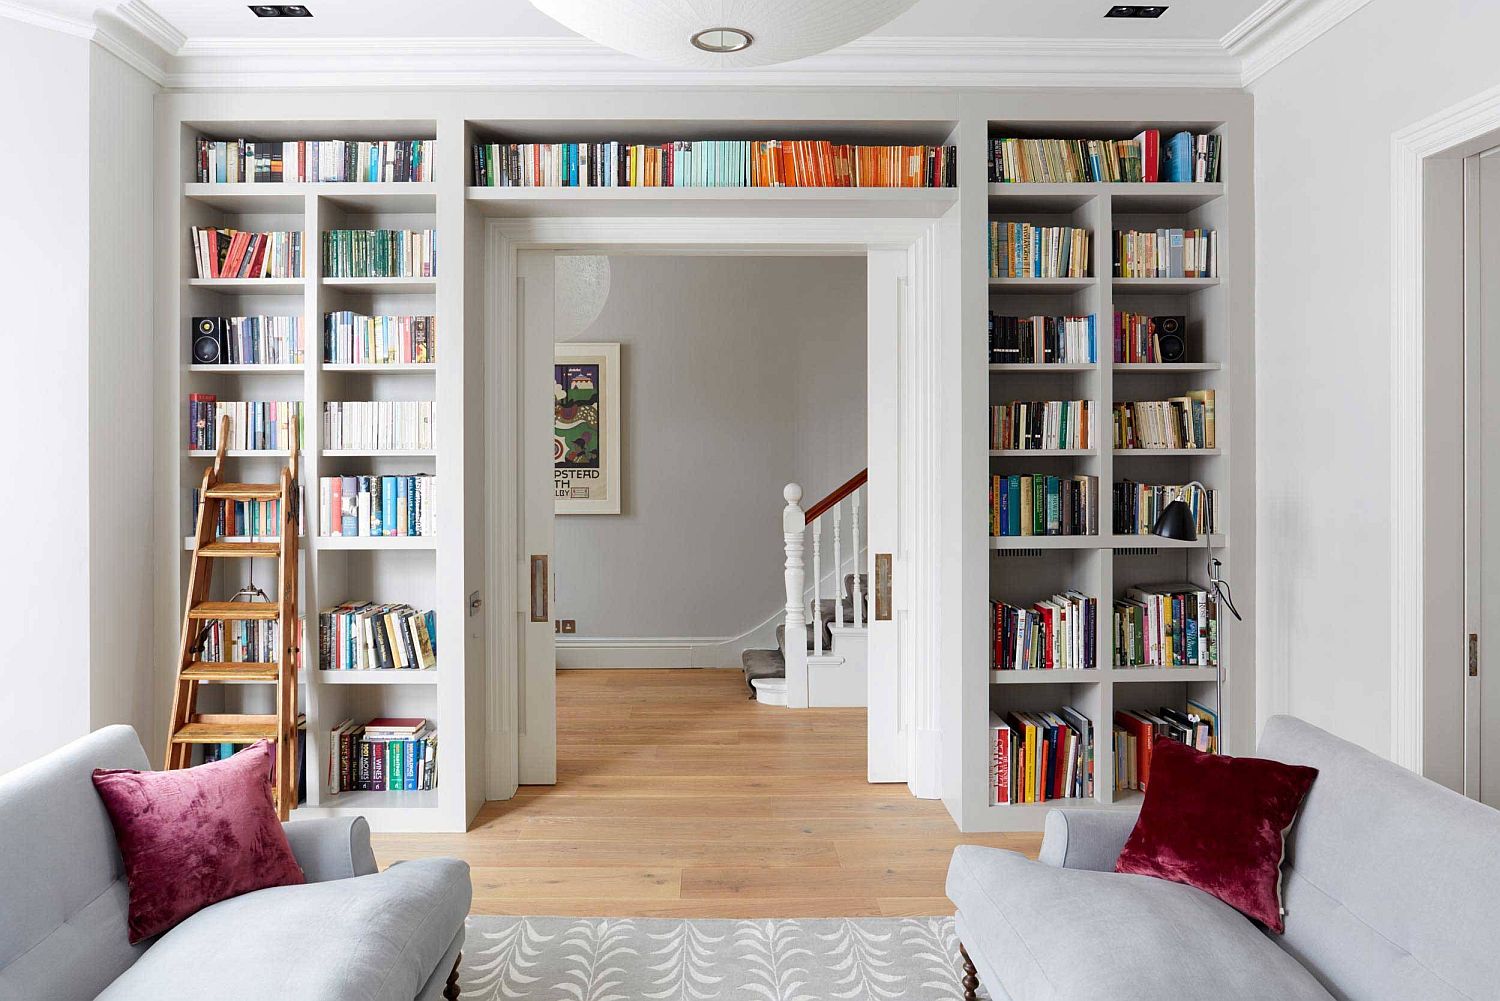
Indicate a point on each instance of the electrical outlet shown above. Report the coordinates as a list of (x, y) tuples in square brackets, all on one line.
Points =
[(569, 625)]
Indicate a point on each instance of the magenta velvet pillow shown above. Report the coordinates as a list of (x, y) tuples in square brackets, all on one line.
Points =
[(194, 837), (1218, 823)]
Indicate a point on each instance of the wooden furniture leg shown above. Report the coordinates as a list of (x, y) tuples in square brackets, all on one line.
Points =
[(451, 991), (971, 975)]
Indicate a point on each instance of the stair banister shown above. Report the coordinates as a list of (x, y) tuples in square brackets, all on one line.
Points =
[(859, 614), (793, 526)]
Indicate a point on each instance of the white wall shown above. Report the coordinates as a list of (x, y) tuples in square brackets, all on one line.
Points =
[(73, 654), (1324, 120), (740, 374)]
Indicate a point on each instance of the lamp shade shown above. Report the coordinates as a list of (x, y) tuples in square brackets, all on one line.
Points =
[(778, 30), (1176, 521)]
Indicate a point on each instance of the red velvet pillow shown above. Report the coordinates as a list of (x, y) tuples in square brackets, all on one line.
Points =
[(194, 837), (1218, 823)]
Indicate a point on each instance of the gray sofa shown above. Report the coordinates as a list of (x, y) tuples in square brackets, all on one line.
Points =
[(349, 933), (1391, 889)]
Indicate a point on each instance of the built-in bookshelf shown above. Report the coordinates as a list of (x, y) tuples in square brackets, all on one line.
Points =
[(1152, 387)]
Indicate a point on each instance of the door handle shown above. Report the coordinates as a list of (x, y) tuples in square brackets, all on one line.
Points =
[(540, 578)]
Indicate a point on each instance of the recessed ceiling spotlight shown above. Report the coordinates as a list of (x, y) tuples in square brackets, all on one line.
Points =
[(723, 39), (265, 11), (1132, 10), (295, 11), (280, 10)]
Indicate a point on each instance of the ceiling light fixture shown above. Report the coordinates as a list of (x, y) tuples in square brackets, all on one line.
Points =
[(1132, 10), (279, 10), (697, 32)]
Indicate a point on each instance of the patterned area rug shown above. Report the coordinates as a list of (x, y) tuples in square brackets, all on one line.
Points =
[(627, 959)]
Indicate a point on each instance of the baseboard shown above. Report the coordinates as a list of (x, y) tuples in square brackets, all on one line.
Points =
[(614, 652)]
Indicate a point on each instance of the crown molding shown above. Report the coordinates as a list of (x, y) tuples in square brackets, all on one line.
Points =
[(1278, 29), (131, 31), (76, 19)]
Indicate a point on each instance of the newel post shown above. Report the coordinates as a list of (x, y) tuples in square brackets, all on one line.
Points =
[(793, 529)]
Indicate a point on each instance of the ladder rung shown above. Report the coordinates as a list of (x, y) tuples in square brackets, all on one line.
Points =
[(207, 670), (236, 611), (243, 730), (244, 491), (242, 550)]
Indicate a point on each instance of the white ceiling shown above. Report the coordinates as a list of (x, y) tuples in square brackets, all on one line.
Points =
[(1050, 19)]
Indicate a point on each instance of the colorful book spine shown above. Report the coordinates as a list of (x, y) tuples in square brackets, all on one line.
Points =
[(380, 253), (233, 253), (352, 339), (252, 161), (1023, 425), (254, 426)]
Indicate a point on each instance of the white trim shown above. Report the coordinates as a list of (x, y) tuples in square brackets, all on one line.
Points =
[(151, 26), (79, 24), (135, 34), (1278, 29), (1443, 134)]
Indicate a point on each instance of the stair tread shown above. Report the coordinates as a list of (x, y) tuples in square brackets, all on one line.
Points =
[(244, 491), (236, 611), (251, 729), (241, 549), (210, 670)]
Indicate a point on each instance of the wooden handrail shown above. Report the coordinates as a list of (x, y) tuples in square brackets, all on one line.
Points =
[(852, 484)]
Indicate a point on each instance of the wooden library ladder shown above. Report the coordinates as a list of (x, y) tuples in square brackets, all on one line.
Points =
[(191, 727)]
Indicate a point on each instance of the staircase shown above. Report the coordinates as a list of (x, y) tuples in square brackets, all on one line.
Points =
[(826, 666)]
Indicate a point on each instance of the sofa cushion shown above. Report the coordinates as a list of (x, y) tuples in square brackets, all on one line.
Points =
[(376, 938), (1065, 935)]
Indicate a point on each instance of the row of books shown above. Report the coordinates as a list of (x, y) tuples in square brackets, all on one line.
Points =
[(1041, 756), (379, 424), (1167, 253), (1138, 336), (1038, 504), (254, 425), (1138, 505), (714, 163), (383, 755), (1187, 421), (1027, 340), (237, 253), (377, 506), (351, 338), (259, 161), (1040, 424), (365, 636), (1136, 732), (1184, 157), (251, 340), (250, 519), (225, 641), (1024, 250), (1056, 634), (379, 253), (218, 752), (1166, 625)]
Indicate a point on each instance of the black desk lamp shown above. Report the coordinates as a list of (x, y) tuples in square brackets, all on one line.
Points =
[(1177, 522)]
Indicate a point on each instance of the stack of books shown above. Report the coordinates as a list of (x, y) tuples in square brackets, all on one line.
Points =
[(254, 426), (1040, 424), (1136, 730), (1167, 253), (1185, 157), (1166, 625), (1187, 421), (383, 755), (1057, 634), (1040, 504), (1031, 340), (379, 253), (251, 161), (1138, 505), (235, 253), (371, 506), (253, 340), (352, 339), (379, 424), (245, 520), (716, 163), (365, 636), (1023, 250), (1138, 337), (1041, 756)]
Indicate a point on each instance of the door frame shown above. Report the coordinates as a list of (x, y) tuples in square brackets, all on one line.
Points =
[(905, 697)]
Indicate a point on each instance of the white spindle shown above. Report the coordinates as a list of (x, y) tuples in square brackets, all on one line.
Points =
[(859, 563), (838, 563), (793, 527), (817, 539)]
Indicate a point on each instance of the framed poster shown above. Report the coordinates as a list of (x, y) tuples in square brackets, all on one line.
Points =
[(586, 428)]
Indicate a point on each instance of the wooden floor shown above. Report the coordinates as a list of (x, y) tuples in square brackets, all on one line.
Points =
[(679, 797)]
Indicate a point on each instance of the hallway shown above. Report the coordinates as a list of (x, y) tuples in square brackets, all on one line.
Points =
[(679, 797)]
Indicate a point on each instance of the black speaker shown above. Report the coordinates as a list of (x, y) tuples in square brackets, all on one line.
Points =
[(206, 340), (1170, 333)]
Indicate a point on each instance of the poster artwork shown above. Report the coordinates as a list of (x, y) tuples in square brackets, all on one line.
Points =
[(577, 432)]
